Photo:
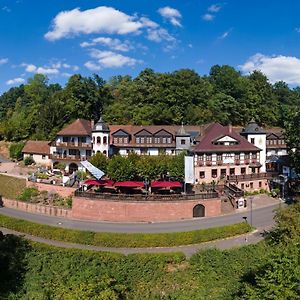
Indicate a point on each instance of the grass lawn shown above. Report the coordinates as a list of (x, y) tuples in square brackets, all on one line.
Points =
[(11, 187)]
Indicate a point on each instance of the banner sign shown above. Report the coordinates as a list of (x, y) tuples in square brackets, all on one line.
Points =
[(189, 176)]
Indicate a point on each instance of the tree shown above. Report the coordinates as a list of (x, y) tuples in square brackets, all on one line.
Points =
[(120, 168), (100, 161), (292, 132)]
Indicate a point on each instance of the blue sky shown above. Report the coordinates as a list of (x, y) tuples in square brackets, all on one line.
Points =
[(110, 37)]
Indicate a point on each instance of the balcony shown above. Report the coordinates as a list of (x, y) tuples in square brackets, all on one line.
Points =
[(72, 145), (69, 157), (249, 177), (200, 163), (237, 162)]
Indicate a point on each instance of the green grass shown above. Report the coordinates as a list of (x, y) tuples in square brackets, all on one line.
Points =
[(11, 187), (118, 240)]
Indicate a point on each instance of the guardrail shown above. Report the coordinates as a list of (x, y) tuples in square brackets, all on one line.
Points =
[(144, 197)]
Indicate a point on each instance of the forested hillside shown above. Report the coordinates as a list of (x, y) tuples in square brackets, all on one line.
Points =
[(39, 109)]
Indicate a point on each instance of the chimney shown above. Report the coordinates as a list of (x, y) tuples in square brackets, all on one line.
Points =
[(230, 128), (92, 124)]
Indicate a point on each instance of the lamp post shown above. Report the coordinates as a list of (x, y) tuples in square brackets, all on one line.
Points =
[(251, 211)]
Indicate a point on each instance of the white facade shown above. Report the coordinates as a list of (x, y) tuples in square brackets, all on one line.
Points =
[(40, 159), (259, 140)]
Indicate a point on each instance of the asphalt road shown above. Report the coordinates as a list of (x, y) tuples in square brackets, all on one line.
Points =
[(261, 218)]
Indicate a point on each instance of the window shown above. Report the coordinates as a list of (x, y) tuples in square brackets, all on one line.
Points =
[(65, 139), (142, 140), (237, 156), (200, 157), (43, 156), (98, 140), (243, 186), (104, 152), (149, 140), (93, 140), (202, 174), (105, 140), (182, 142), (252, 140), (156, 140), (259, 184), (253, 155), (164, 140), (82, 139), (73, 151), (247, 155), (214, 173), (232, 171), (223, 172), (115, 140), (125, 140), (88, 153), (251, 185), (243, 171), (219, 157), (208, 157), (137, 140), (169, 140)]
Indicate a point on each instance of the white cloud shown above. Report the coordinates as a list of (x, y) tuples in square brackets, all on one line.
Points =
[(17, 80), (171, 14), (208, 17), (3, 61), (109, 59), (276, 67), (225, 34), (6, 9), (114, 44), (53, 68), (159, 34), (214, 8), (297, 29), (101, 19)]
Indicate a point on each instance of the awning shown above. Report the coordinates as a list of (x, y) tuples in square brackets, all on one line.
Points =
[(165, 184), (99, 182), (129, 184)]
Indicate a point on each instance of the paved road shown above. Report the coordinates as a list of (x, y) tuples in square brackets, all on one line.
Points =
[(261, 218), (188, 250)]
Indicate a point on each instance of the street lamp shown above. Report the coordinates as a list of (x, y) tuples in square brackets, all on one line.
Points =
[(251, 211)]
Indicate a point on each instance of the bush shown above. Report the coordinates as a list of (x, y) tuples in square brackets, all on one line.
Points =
[(27, 194), (15, 150), (28, 161), (130, 240)]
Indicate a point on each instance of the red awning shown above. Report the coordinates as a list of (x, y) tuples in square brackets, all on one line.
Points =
[(99, 182), (129, 184), (164, 184)]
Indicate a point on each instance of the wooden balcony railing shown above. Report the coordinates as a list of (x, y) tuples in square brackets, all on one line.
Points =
[(249, 177), (72, 145), (69, 157)]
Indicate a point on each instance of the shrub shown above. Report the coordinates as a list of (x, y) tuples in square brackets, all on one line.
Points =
[(130, 240), (28, 193), (28, 161), (15, 150)]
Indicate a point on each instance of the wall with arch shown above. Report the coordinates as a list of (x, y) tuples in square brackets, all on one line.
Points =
[(140, 211)]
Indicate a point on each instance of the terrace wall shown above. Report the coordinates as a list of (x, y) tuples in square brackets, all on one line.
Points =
[(85, 208)]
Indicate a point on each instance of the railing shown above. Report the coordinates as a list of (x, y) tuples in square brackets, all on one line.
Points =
[(248, 177), (69, 157), (233, 190), (144, 197), (72, 145)]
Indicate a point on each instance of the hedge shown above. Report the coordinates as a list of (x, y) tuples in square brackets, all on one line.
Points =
[(118, 240)]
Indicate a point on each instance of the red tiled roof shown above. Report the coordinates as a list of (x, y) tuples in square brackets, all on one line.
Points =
[(80, 127), (37, 147), (215, 131)]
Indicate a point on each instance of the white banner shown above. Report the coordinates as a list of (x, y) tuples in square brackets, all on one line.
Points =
[(189, 176)]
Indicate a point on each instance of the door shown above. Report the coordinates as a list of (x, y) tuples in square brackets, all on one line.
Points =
[(199, 211)]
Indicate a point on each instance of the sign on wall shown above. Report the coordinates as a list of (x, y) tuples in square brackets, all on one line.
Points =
[(189, 176)]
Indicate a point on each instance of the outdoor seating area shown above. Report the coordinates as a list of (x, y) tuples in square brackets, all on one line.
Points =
[(106, 186)]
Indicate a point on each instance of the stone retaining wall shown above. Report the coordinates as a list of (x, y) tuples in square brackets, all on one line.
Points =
[(137, 211), (38, 208)]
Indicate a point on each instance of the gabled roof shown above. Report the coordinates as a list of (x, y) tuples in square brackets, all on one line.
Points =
[(37, 147), (162, 132), (215, 131), (120, 132), (80, 127), (143, 132)]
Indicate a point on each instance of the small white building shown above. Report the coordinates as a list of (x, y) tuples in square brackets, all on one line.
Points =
[(39, 151)]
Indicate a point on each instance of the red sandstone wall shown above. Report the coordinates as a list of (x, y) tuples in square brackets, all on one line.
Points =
[(37, 208), (121, 211), (61, 190)]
